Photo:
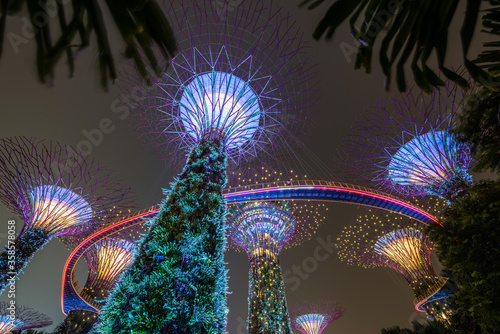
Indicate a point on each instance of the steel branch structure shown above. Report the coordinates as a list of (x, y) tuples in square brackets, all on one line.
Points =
[(17, 318), (56, 192), (313, 317), (402, 245), (242, 75), (405, 144), (262, 229)]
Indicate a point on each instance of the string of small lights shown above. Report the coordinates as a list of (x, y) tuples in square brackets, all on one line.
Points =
[(398, 243), (262, 229)]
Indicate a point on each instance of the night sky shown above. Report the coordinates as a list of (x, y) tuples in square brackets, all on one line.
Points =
[(374, 298)]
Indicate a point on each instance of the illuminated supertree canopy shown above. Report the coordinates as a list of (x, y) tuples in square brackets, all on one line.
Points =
[(262, 229), (225, 94), (313, 317), (56, 192), (241, 77), (405, 144), (107, 259), (400, 244), (17, 318)]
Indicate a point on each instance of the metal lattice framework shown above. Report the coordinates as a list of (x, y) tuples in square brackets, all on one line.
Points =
[(313, 317), (262, 229), (405, 144), (55, 189), (18, 318), (240, 75), (397, 243), (106, 260)]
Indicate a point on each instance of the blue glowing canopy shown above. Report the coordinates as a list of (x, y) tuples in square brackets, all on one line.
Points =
[(426, 158), (222, 103)]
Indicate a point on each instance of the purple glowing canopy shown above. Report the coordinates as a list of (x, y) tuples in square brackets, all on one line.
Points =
[(405, 144), (265, 227), (241, 75), (261, 227), (220, 102), (55, 189), (433, 162), (422, 158), (313, 317)]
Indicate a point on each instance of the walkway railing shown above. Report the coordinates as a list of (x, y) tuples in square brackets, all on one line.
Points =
[(420, 299), (330, 191)]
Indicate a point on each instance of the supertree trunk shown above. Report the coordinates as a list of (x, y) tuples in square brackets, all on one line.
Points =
[(77, 322), (177, 283), (268, 312), (17, 254)]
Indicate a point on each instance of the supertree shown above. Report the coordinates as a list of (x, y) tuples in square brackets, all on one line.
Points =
[(106, 260), (313, 317), (18, 318), (237, 78), (405, 144), (400, 244), (262, 229), (77, 321), (56, 192)]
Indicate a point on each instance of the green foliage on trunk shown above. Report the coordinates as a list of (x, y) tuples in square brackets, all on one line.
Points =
[(177, 283), (469, 247), (77, 322), (16, 255), (268, 312)]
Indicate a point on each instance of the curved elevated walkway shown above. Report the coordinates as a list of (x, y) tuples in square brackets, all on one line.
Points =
[(327, 191)]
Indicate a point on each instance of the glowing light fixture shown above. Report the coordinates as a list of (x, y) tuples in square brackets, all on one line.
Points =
[(113, 259), (311, 323), (403, 247), (222, 103), (426, 157), (312, 318), (56, 208)]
